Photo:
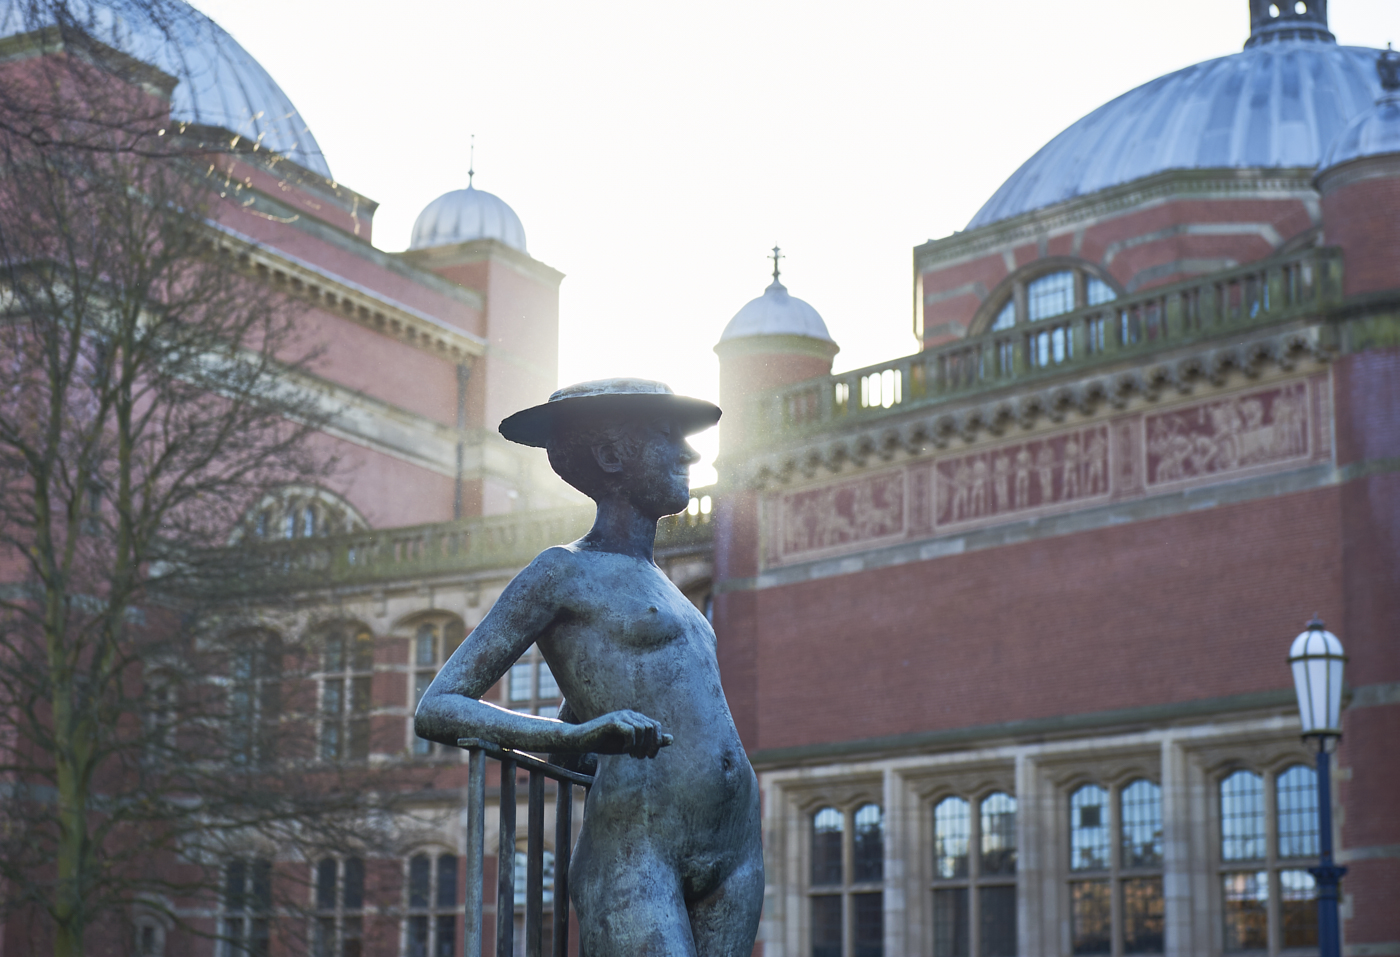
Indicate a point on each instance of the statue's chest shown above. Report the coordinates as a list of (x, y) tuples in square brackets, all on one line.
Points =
[(651, 614)]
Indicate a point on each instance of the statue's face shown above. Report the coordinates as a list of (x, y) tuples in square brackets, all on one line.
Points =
[(656, 478)]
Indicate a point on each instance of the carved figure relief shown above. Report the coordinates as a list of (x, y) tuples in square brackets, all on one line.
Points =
[(1124, 457), (1069, 467), (1240, 432), (842, 514)]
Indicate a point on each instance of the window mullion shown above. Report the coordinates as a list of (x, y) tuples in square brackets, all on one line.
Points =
[(1275, 918), (848, 860), (1115, 867), (974, 879)]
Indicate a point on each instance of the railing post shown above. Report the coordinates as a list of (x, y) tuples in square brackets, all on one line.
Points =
[(563, 850), (534, 868), (505, 865), (476, 851)]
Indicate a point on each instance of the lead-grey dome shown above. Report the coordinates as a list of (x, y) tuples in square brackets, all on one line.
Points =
[(467, 214), (776, 313), (219, 83), (1277, 104)]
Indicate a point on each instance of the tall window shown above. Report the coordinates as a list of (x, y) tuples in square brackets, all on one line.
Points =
[(247, 906), (1115, 838), (530, 686), (340, 905), (347, 673), (1268, 840), (433, 644), (974, 876), (432, 905), (255, 698), (846, 890)]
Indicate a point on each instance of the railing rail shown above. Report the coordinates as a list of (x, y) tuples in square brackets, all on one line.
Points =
[(477, 753), (1269, 291)]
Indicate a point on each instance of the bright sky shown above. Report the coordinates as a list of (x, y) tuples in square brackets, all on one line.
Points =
[(655, 151)]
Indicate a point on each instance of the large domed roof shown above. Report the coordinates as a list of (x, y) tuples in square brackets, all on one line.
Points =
[(466, 214), (776, 313), (1275, 104), (219, 83)]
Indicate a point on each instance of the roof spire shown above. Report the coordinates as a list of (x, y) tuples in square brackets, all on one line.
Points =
[(777, 254), (471, 162)]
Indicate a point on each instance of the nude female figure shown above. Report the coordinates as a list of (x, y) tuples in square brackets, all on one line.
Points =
[(669, 860)]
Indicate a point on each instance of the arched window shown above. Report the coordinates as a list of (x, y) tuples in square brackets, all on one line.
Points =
[(1116, 851), (299, 511), (974, 887), (1264, 859), (846, 898), (433, 902), (1053, 294), (433, 643), (347, 675), (340, 905)]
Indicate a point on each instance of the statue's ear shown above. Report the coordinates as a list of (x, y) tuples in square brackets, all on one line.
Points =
[(607, 457)]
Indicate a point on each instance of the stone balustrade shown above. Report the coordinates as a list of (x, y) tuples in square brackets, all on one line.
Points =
[(1262, 293)]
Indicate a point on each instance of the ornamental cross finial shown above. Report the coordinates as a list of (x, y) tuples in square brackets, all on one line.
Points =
[(777, 254), (471, 163)]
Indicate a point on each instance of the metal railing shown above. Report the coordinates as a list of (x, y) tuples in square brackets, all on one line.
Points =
[(1270, 291), (477, 753)]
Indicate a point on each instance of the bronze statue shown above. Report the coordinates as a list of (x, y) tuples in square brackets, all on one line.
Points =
[(669, 860)]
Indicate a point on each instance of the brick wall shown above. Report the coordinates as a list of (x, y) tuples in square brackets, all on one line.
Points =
[(1194, 606)]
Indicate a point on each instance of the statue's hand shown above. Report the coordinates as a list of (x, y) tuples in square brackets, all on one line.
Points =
[(623, 732)]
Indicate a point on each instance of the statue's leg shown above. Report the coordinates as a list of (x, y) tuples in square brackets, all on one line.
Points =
[(725, 923), (629, 905)]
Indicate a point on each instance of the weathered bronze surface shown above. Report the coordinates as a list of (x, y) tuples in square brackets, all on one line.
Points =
[(669, 860)]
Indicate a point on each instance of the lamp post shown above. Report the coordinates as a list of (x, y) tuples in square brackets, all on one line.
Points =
[(1318, 665)]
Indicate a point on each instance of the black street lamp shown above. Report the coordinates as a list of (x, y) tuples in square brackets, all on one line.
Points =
[(1318, 665)]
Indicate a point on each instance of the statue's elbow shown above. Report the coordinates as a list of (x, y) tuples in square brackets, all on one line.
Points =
[(423, 718)]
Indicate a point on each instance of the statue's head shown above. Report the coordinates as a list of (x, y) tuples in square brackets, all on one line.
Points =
[(618, 437)]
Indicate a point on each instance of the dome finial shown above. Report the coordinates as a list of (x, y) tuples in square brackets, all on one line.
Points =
[(777, 254), (471, 162), (1388, 66)]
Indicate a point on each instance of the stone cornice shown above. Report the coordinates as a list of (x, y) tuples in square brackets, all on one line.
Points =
[(1073, 213), (481, 250), (1384, 166), (345, 297), (990, 415)]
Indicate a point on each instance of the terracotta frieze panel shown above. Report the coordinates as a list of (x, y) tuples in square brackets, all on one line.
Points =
[(850, 513), (1069, 469), (1264, 428), (1129, 456)]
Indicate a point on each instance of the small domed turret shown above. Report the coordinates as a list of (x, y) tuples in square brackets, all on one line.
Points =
[(775, 340), (466, 214), (1359, 181), (776, 313)]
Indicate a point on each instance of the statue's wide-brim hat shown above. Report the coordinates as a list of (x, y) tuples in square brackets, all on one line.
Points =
[(607, 400)]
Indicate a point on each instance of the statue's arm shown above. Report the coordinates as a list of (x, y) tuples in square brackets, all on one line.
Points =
[(534, 602)]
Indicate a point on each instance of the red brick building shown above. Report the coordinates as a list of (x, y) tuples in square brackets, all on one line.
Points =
[(1002, 623)]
